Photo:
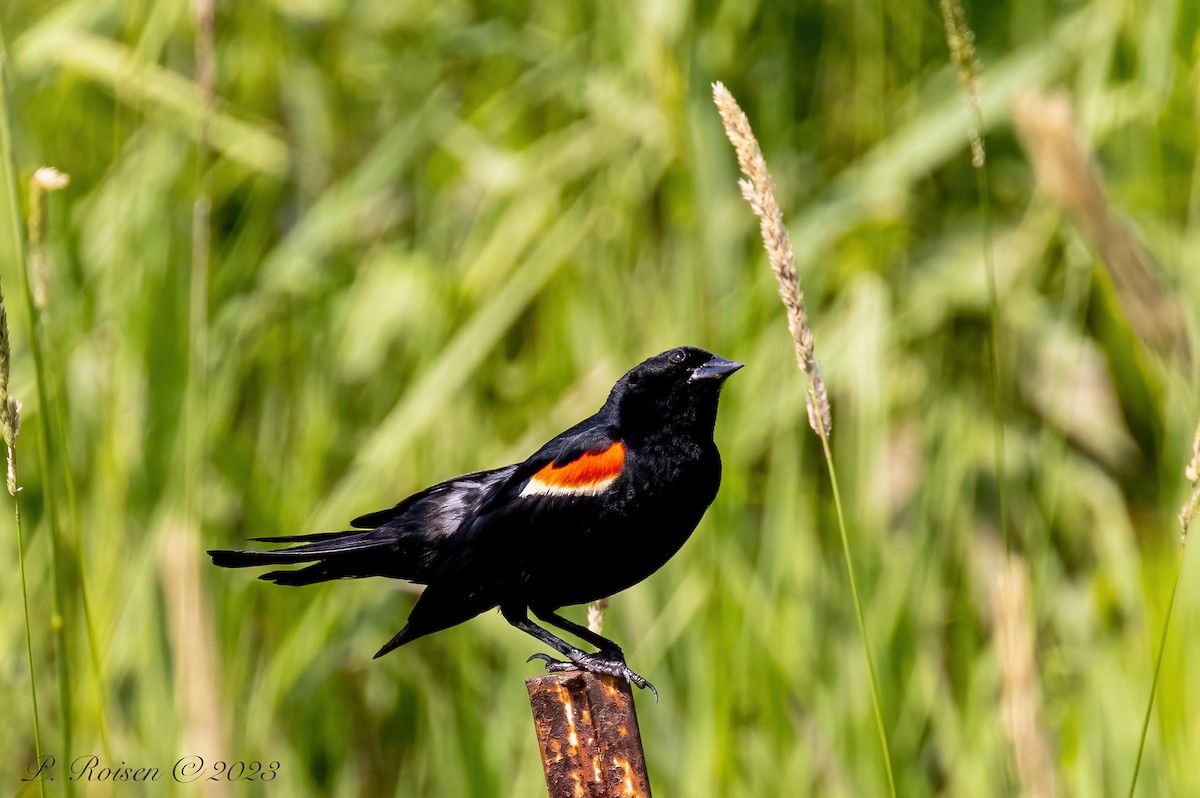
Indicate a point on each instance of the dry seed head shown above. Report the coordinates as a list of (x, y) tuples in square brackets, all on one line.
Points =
[(1192, 472), (759, 191), (14, 416), (978, 153), (1190, 507), (7, 422), (595, 615), (50, 179), (816, 401), (45, 180), (1188, 511), (961, 41)]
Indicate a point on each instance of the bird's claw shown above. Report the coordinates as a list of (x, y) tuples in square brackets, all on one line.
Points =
[(550, 661), (598, 663)]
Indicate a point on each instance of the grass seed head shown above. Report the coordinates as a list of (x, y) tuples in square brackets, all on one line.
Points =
[(961, 41), (45, 180), (759, 191), (595, 615), (1192, 472)]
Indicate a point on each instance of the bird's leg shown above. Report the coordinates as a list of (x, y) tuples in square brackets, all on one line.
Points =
[(602, 643), (579, 660)]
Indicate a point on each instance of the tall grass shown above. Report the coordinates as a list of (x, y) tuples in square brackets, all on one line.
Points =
[(961, 41), (1187, 514), (758, 191), (440, 230), (10, 407)]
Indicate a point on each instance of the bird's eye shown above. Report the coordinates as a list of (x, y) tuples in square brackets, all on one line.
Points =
[(677, 356)]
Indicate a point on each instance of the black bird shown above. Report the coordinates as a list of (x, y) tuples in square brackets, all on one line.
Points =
[(597, 509)]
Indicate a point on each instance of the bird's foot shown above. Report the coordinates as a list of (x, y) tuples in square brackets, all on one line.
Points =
[(602, 662)]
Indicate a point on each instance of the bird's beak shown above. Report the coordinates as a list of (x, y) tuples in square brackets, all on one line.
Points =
[(718, 368)]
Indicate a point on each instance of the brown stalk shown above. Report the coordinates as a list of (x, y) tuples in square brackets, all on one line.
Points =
[(1067, 174), (1014, 640), (190, 629)]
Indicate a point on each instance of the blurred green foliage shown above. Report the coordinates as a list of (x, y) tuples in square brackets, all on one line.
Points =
[(440, 230)]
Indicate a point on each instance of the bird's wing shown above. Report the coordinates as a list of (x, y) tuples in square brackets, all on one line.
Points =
[(464, 490), (584, 461), (478, 566)]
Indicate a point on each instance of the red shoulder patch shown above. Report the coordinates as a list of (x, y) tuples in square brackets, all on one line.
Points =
[(588, 474)]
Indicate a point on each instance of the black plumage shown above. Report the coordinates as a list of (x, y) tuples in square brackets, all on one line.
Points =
[(597, 509)]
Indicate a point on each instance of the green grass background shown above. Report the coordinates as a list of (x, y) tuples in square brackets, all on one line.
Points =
[(441, 229)]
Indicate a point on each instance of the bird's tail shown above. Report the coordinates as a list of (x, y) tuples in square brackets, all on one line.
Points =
[(334, 555)]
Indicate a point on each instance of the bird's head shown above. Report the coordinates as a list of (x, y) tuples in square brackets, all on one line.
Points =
[(679, 387)]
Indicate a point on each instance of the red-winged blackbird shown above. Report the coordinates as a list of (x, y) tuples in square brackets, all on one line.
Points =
[(597, 509)]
